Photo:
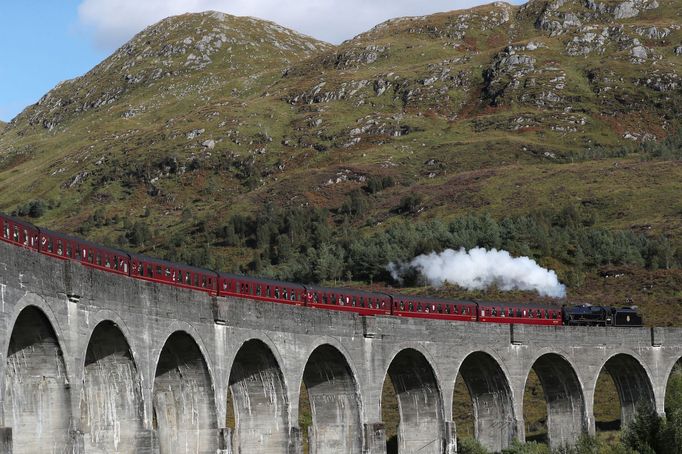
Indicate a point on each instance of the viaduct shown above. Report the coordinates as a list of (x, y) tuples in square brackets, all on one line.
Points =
[(93, 362)]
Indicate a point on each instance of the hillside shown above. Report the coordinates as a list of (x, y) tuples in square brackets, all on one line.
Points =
[(192, 137)]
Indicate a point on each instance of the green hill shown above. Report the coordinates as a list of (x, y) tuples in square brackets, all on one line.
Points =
[(235, 143)]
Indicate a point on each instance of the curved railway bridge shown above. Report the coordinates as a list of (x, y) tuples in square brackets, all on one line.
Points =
[(94, 362)]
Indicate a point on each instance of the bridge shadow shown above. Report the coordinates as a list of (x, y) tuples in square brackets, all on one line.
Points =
[(392, 445), (606, 426), (542, 437)]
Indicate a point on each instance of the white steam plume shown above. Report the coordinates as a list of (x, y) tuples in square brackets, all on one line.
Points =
[(479, 269)]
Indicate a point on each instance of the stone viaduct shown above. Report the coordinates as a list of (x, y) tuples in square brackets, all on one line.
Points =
[(99, 363)]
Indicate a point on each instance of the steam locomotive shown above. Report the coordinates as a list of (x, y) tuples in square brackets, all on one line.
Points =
[(138, 266)]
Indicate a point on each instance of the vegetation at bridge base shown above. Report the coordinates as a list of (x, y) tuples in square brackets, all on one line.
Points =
[(649, 433)]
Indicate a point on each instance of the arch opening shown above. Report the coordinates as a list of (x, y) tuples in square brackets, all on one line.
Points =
[(334, 404), (111, 398), (419, 403), (184, 407), (259, 400), (494, 424), (535, 415), (673, 389), (37, 398), (632, 385), (607, 409), (562, 393)]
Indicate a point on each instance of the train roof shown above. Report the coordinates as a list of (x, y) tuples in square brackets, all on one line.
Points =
[(521, 305), (430, 299), (19, 221), (345, 291), (260, 279)]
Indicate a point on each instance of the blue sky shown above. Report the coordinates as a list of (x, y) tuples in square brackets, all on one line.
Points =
[(41, 47), (47, 41)]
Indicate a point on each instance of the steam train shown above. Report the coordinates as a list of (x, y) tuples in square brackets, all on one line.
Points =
[(138, 266)]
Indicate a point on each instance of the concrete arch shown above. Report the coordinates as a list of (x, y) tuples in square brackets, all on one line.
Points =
[(183, 398), (566, 413), (259, 397), (633, 383), (112, 411), (37, 402), (33, 300), (491, 395), (419, 402), (109, 316), (334, 402), (184, 327)]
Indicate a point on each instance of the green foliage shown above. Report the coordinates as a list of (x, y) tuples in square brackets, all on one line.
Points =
[(642, 435), (666, 150), (526, 448), (355, 205), (138, 234), (376, 184), (409, 203), (33, 209), (470, 446)]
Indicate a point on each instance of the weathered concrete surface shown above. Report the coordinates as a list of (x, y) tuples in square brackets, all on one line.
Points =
[(101, 363)]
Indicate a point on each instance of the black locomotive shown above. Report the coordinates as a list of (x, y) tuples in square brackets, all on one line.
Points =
[(587, 315)]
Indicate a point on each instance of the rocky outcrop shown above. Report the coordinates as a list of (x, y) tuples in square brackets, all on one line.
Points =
[(174, 48)]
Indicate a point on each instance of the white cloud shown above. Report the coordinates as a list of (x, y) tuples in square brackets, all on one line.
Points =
[(113, 22)]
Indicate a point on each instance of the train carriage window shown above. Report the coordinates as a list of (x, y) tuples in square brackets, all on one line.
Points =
[(5, 232), (402, 305), (554, 317), (68, 250), (276, 292), (354, 302), (546, 314), (411, 307), (60, 248), (494, 312), (258, 290), (203, 281), (511, 312), (316, 297), (293, 296)]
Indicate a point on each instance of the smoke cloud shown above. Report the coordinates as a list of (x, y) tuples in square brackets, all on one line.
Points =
[(479, 268)]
